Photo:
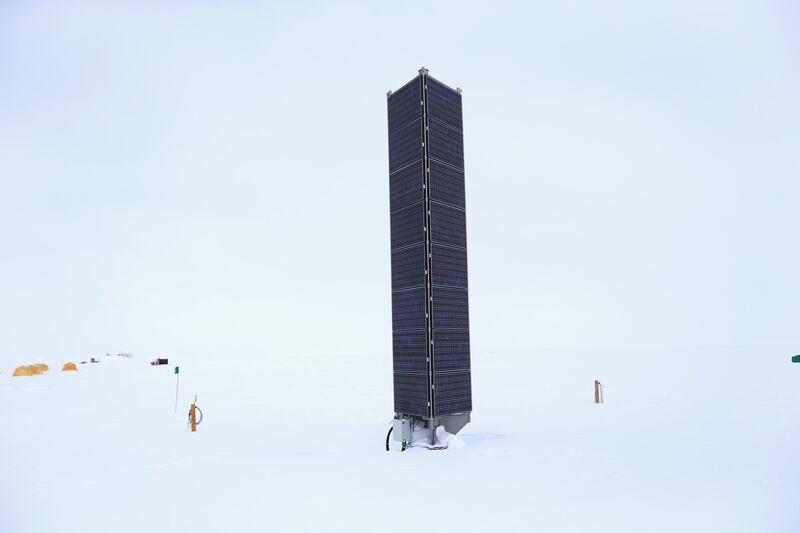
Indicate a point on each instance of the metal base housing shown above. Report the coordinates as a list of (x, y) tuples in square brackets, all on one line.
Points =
[(404, 425)]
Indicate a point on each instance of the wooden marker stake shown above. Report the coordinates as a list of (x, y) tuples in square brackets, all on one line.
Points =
[(193, 416), (598, 393)]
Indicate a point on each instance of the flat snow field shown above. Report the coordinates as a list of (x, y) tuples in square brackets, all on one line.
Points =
[(688, 440)]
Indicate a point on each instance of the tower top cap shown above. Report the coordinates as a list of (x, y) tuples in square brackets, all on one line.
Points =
[(423, 71)]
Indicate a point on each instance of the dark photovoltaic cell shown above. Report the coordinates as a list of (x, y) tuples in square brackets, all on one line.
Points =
[(405, 186), (405, 105), (448, 225), (451, 350), (408, 267), (453, 393), (411, 394), (444, 103), (408, 309), (446, 143), (410, 351), (447, 184), (450, 308), (405, 145), (408, 225), (448, 266)]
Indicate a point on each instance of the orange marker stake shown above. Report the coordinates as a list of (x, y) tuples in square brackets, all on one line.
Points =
[(193, 417)]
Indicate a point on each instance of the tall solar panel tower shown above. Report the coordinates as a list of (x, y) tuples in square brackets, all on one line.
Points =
[(430, 315)]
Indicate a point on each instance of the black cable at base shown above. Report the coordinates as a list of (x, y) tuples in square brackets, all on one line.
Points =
[(387, 438)]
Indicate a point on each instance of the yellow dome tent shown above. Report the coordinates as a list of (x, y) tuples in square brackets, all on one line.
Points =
[(23, 371), (69, 367), (31, 370)]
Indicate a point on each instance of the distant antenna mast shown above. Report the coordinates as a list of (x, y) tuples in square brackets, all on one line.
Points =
[(177, 383)]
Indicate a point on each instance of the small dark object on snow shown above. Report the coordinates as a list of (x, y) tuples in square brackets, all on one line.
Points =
[(83, 362), (159, 361), (93, 360)]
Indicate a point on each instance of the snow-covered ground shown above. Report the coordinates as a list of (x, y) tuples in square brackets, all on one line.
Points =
[(688, 440)]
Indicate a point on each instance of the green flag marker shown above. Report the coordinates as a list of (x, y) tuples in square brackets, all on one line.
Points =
[(177, 369), (796, 359)]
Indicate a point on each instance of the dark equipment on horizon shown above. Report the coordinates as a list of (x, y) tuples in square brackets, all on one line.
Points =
[(430, 315)]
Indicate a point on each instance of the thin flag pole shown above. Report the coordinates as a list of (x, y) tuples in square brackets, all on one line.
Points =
[(177, 383)]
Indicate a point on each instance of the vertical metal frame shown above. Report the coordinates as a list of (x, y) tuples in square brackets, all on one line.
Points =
[(423, 74)]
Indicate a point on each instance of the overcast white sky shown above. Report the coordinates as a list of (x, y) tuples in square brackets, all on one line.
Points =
[(205, 179)]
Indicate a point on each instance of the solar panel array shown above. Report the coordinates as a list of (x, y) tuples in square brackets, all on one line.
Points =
[(409, 250), (430, 309)]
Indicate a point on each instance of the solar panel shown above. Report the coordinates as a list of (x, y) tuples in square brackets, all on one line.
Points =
[(408, 309), (405, 145), (410, 351), (448, 266), (451, 350), (444, 103), (408, 225), (447, 184), (405, 186), (445, 143), (450, 308), (411, 394), (448, 225), (404, 105), (408, 267), (453, 393)]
